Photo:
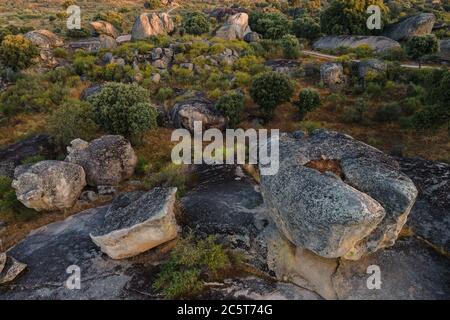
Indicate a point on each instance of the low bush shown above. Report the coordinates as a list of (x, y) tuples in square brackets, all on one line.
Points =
[(306, 27), (388, 112), (271, 25), (17, 52), (291, 47), (270, 89), (196, 23), (74, 119), (10, 207), (308, 100), (124, 109), (171, 175), (231, 106)]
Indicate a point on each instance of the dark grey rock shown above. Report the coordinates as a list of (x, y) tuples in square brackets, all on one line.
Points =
[(285, 66), (11, 156), (418, 25), (332, 75), (91, 91), (372, 66)]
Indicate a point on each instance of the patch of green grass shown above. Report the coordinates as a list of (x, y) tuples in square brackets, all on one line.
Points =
[(10, 207), (192, 262)]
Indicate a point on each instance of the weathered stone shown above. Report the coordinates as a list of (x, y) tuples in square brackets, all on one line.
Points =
[(107, 42), (91, 91), (332, 75), (106, 190), (371, 67), (123, 39), (235, 28), (286, 66), (107, 161), (198, 108), (147, 25), (189, 66), (251, 37), (11, 156), (418, 25), (104, 28), (10, 268), (137, 222), (444, 48), (353, 199), (156, 78), (49, 185), (44, 39), (377, 43), (93, 45)]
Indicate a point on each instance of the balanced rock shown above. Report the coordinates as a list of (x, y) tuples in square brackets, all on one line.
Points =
[(377, 43), (336, 196), (136, 222), (418, 25), (235, 28), (104, 28), (107, 160), (44, 39), (332, 75), (49, 185), (147, 25), (198, 108)]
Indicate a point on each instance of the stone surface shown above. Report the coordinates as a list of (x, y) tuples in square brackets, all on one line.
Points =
[(285, 66), (332, 75), (235, 28), (44, 39), (136, 222), (371, 67), (93, 45), (10, 268), (444, 48), (377, 43), (11, 156), (430, 216), (185, 113), (252, 37), (123, 39), (107, 161), (104, 28), (49, 185), (147, 25), (353, 201), (417, 25), (89, 92)]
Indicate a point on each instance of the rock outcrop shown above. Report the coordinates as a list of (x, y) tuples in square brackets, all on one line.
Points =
[(198, 108), (93, 45), (147, 25), (417, 25), (336, 196), (49, 185), (286, 66), (370, 68), (444, 48), (11, 156), (10, 268), (107, 161), (332, 75), (104, 28), (44, 39), (136, 222), (235, 28), (377, 43)]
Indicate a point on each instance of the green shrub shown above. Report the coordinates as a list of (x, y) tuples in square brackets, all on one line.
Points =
[(10, 207), (17, 52), (78, 33), (269, 90), (270, 25), (430, 117), (33, 159), (231, 106), (196, 23), (74, 119), (419, 46), (309, 126), (83, 63), (191, 262), (152, 4), (355, 114), (308, 100), (163, 94), (113, 17), (388, 112), (291, 47), (250, 64), (306, 27), (61, 53), (124, 109), (142, 167)]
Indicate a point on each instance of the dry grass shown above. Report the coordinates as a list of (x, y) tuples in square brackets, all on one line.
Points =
[(21, 125)]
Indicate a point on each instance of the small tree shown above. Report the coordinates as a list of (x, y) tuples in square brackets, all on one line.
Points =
[(308, 100), (124, 109), (306, 27), (269, 90), (291, 47), (196, 23), (231, 106), (270, 25), (419, 46), (17, 52)]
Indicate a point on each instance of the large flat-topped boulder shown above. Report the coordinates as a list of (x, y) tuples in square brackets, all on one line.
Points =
[(49, 185), (377, 43), (418, 25), (337, 196), (44, 39), (136, 222)]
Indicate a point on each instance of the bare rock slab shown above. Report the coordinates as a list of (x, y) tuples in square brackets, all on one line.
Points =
[(49, 185), (136, 222), (10, 268), (337, 196), (377, 43), (418, 25)]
